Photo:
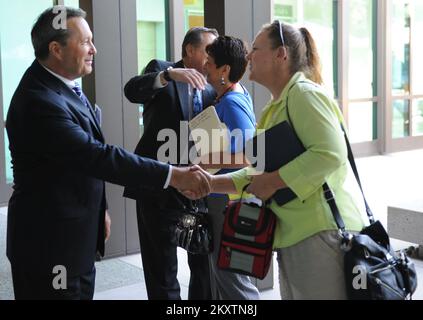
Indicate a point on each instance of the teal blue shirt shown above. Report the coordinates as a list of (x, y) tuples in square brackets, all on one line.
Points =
[(235, 110)]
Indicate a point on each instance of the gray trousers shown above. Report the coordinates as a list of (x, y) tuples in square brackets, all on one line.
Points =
[(313, 269), (225, 285)]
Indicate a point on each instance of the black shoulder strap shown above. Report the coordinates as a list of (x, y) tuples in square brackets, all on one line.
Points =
[(329, 196), (357, 177)]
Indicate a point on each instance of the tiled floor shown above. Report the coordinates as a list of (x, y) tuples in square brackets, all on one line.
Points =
[(137, 291), (387, 180)]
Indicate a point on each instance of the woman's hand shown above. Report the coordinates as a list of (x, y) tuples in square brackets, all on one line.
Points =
[(194, 194), (263, 186), (222, 184)]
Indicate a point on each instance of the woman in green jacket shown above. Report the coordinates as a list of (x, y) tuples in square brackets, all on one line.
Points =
[(284, 60)]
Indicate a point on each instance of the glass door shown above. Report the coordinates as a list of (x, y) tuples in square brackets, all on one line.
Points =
[(363, 99), (319, 17), (407, 79)]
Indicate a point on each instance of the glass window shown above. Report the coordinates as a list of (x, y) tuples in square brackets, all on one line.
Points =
[(400, 119), (418, 117), (16, 52), (193, 13), (362, 82), (362, 70), (401, 47), (407, 23), (361, 121), (318, 17), (71, 3), (151, 36), (417, 48), (151, 31)]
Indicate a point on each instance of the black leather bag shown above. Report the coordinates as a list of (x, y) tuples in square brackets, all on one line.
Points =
[(193, 230), (373, 270)]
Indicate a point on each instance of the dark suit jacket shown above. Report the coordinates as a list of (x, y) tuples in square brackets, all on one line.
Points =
[(164, 108), (60, 162)]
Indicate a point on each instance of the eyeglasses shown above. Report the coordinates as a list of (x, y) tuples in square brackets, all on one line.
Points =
[(279, 24)]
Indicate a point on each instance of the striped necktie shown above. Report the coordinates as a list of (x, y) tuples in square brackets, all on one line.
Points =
[(197, 103), (77, 89)]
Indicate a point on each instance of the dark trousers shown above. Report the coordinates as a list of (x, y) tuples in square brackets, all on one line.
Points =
[(159, 258), (30, 285)]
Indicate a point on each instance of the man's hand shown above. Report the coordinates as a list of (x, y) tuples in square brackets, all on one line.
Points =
[(107, 226), (191, 180), (221, 183), (191, 194), (265, 185), (191, 76)]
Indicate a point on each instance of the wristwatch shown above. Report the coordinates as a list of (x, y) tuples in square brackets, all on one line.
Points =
[(166, 75)]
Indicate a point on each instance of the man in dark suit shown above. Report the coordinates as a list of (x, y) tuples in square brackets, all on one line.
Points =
[(168, 92), (56, 215)]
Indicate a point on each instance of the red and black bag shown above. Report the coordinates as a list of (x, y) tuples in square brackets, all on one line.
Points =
[(246, 245)]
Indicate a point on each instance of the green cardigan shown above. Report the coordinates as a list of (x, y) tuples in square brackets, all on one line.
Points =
[(316, 119)]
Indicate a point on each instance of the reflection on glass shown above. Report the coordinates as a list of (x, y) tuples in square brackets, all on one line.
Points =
[(317, 17), (401, 47), (362, 121), (193, 13), (401, 119), (418, 117), (8, 162), (362, 49), (16, 52), (418, 48), (151, 36), (151, 31), (71, 3)]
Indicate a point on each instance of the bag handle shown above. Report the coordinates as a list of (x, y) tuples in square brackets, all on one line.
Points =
[(263, 203), (328, 194), (357, 177), (245, 230)]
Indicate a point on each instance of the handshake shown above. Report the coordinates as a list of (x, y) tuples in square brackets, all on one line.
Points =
[(193, 182)]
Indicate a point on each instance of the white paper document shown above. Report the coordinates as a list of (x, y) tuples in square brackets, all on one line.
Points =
[(209, 134)]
